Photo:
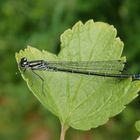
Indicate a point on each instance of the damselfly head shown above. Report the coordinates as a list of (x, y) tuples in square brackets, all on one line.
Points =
[(23, 62)]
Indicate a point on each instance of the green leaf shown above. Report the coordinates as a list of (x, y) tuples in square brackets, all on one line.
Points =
[(137, 125), (81, 101)]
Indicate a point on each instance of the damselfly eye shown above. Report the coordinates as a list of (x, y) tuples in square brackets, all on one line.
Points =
[(23, 62)]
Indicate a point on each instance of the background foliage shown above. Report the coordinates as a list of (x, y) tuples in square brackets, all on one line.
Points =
[(39, 23)]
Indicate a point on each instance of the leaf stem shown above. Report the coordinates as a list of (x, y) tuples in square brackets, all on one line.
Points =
[(63, 131)]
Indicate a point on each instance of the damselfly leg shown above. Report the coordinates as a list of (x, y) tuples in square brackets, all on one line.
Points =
[(33, 66)]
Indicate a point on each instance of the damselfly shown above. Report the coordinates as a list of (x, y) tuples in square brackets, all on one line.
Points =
[(112, 68)]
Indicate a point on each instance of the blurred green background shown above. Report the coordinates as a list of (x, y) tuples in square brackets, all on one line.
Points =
[(39, 23)]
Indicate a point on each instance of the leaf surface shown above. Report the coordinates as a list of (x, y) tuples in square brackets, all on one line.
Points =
[(137, 125), (81, 101)]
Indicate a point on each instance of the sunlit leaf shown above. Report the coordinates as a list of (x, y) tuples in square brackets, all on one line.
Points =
[(81, 101), (137, 125)]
